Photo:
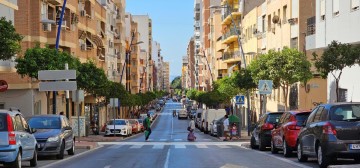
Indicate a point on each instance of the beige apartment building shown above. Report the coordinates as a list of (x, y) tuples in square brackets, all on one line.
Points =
[(166, 70), (190, 74), (88, 32)]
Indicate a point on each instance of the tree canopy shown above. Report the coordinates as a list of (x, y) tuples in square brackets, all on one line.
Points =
[(176, 83), (9, 40)]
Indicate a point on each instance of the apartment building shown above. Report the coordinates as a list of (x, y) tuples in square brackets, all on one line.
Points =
[(7, 10), (120, 39), (134, 60), (156, 54), (198, 39), (335, 20), (88, 31), (184, 71), (166, 73), (190, 74)]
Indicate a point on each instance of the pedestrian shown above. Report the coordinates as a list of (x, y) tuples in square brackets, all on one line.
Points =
[(147, 127), (191, 128), (226, 127)]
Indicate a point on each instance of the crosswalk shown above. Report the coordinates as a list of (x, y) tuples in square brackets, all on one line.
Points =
[(171, 145), (179, 140)]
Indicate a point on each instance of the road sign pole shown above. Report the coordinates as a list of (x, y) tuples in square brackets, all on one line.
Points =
[(78, 115), (113, 108), (67, 95)]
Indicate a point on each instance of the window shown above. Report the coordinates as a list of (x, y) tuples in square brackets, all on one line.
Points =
[(263, 24), (355, 4), (318, 114), (336, 4), (25, 124), (2, 105), (44, 10), (322, 9), (294, 43), (311, 116), (284, 14), (269, 23), (18, 123), (37, 108), (342, 95)]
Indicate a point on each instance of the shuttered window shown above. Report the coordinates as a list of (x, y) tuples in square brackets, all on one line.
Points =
[(322, 9), (336, 4), (259, 24)]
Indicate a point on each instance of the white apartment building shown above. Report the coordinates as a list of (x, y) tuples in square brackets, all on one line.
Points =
[(337, 20)]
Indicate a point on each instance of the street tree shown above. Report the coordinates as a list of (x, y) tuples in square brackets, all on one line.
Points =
[(176, 83), (243, 80), (9, 40), (284, 68), (93, 80), (191, 94), (335, 58), (226, 90)]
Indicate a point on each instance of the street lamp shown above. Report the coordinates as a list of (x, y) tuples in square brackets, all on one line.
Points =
[(243, 59)]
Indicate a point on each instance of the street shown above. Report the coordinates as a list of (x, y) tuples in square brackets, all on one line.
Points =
[(169, 148)]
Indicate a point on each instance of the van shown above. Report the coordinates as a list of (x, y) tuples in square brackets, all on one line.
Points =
[(210, 115), (202, 121)]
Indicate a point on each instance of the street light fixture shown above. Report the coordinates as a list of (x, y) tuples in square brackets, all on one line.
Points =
[(243, 60)]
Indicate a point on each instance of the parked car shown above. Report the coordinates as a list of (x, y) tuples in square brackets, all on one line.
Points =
[(192, 113), (135, 125), (198, 118), (161, 103), (142, 128), (261, 134), (331, 132), (122, 127), (213, 128), (182, 114), (15, 135), (54, 135), (286, 131)]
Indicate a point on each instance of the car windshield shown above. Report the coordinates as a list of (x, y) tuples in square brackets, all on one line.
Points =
[(117, 122), (132, 121), (45, 122), (301, 118), (273, 118), (3, 123), (140, 121), (345, 113)]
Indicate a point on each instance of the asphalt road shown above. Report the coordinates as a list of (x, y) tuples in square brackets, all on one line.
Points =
[(168, 148)]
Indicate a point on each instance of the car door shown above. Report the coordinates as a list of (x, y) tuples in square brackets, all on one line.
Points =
[(65, 133), (282, 128), (22, 137), (258, 127), (276, 131), (304, 135)]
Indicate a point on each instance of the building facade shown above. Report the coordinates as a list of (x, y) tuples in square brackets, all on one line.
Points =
[(166, 73)]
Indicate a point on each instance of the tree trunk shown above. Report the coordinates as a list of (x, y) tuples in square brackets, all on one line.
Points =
[(337, 90), (48, 102), (285, 94)]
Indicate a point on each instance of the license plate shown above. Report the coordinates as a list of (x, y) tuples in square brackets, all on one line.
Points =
[(354, 146), (117, 131)]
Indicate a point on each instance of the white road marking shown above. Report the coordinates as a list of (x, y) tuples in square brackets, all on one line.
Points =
[(166, 165), (158, 147), (177, 139), (136, 146), (223, 146), (201, 146), (115, 147), (163, 139), (180, 146), (108, 166), (221, 143)]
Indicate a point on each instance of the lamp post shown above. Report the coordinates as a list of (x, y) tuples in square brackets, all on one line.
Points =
[(243, 60)]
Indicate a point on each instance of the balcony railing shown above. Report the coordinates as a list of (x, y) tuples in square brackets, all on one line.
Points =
[(228, 12), (232, 32), (231, 55)]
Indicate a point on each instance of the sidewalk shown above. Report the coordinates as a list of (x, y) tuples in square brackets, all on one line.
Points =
[(90, 141)]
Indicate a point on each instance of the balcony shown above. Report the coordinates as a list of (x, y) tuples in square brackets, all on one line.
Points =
[(230, 36), (229, 15), (231, 56), (55, 2)]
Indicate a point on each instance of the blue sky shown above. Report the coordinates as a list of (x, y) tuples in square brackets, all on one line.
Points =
[(172, 26)]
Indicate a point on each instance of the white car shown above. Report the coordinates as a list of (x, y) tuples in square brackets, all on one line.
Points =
[(122, 127), (182, 114)]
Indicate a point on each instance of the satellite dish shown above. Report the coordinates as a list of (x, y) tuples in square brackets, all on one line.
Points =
[(275, 19)]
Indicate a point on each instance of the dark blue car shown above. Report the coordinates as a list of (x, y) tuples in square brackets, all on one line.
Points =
[(331, 131), (54, 135)]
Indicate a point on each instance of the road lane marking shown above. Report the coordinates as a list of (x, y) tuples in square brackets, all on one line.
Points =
[(108, 166), (221, 143), (166, 165), (177, 139), (158, 147), (223, 146), (115, 147), (180, 146), (201, 146), (136, 146), (163, 139)]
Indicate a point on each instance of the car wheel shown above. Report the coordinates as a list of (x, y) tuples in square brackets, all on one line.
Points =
[(273, 148), (33, 161), (300, 156), (286, 149), (323, 160), (72, 150), (17, 162), (253, 143), (262, 146), (61, 152)]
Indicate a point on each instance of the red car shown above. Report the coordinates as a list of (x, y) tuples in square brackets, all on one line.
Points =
[(142, 128), (286, 131), (135, 125)]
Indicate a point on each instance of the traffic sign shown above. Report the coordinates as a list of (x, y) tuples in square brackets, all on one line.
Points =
[(114, 102), (240, 99), (57, 86), (265, 86), (56, 74)]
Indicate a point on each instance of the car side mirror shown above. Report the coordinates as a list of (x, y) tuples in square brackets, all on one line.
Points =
[(32, 130)]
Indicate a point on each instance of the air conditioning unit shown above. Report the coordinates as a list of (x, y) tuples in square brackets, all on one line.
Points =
[(293, 21), (82, 13), (83, 47), (47, 27)]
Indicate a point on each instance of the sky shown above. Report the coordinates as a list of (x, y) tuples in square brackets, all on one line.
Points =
[(172, 22)]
